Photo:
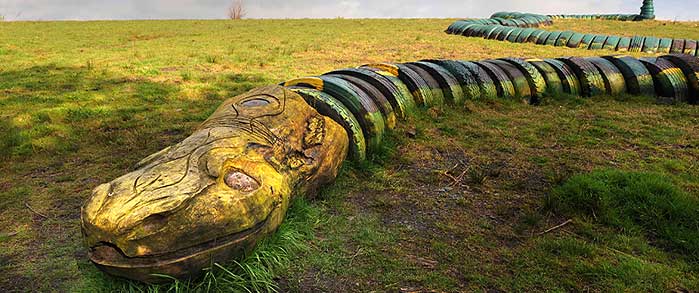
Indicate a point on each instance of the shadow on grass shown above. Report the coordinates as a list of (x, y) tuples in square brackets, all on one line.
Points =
[(58, 109)]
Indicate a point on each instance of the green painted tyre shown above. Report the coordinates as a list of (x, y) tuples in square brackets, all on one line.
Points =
[(524, 36), (374, 94), (564, 38), (636, 44), (450, 86), (522, 89), (487, 86), (690, 67), (327, 105), (614, 81), (432, 85), (503, 84), (362, 107), (541, 40), (650, 45), (586, 41), (391, 86), (496, 32), (489, 31), (611, 43), (637, 77), (591, 81), (670, 82), (571, 84), (553, 36), (575, 40), (505, 33), (534, 37), (664, 45), (512, 38), (464, 77), (597, 42), (419, 90), (554, 85), (536, 81), (624, 44)]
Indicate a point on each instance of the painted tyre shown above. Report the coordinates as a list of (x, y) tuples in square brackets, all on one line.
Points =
[(597, 42), (624, 44), (611, 43), (554, 85), (496, 32), (586, 41), (417, 86), (327, 105), (464, 77), (614, 81), (505, 33), (432, 84), (575, 40), (390, 85), (487, 86), (636, 44), (670, 82), (591, 81), (534, 37), (512, 38), (522, 89), (690, 67), (637, 77), (524, 36), (664, 45), (541, 40), (563, 39), (571, 84), (361, 106), (503, 84), (677, 46), (489, 32), (375, 95), (536, 81), (650, 45), (447, 82), (553, 36), (690, 47)]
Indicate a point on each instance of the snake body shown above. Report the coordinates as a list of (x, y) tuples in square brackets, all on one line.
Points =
[(403, 87), (212, 196), (526, 28)]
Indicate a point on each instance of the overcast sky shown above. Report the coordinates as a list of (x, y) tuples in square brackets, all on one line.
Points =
[(203, 9)]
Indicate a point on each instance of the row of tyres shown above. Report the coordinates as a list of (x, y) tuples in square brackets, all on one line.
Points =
[(619, 17), (578, 40), (369, 100)]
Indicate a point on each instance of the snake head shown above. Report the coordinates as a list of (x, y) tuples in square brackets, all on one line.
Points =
[(212, 196)]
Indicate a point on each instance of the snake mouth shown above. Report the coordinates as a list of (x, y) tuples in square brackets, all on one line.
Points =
[(183, 263)]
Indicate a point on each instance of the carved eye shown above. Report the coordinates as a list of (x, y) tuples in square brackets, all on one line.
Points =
[(255, 103), (240, 181)]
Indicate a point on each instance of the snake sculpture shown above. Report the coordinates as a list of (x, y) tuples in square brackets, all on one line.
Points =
[(523, 28), (212, 196)]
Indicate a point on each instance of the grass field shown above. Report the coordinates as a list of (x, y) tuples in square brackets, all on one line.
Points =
[(462, 205)]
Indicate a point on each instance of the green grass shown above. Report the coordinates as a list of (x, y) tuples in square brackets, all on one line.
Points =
[(636, 203), (82, 102)]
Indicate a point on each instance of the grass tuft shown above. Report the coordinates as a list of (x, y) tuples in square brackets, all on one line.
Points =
[(634, 202)]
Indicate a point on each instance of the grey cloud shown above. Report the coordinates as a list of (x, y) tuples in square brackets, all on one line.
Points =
[(204, 9)]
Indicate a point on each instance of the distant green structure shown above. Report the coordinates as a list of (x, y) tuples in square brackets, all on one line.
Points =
[(647, 10), (524, 28)]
